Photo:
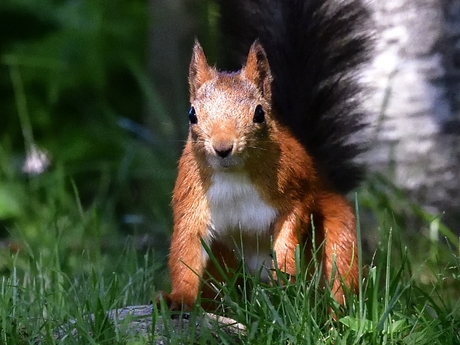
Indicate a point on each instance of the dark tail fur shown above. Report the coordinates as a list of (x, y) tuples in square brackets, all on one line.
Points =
[(315, 49)]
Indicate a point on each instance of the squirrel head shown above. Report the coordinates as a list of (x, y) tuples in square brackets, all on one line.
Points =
[(231, 112)]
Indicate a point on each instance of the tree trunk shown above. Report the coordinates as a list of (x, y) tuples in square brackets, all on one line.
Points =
[(416, 100)]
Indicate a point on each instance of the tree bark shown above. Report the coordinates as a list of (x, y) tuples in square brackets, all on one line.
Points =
[(416, 102)]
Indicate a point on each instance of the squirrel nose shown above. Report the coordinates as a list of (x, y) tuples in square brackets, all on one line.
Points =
[(223, 150)]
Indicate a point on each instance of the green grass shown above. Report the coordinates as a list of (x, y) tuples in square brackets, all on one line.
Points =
[(37, 298), (396, 305)]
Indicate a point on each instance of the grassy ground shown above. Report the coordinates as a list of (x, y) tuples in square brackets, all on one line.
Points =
[(401, 300)]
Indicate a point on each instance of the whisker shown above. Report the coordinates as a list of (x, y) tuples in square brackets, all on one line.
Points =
[(197, 141), (257, 148)]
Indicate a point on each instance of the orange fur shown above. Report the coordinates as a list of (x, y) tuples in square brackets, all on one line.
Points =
[(249, 181)]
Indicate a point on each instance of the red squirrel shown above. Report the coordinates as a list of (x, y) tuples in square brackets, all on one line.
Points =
[(271, 146)]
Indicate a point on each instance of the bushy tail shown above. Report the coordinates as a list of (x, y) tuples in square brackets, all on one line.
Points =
[(315, 49)]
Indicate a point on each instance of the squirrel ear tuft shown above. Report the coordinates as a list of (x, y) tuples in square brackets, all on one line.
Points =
[(199, 71), (257, 69)]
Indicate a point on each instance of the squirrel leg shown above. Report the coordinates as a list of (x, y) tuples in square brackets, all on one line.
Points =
[(186, 264), (340, 250), (286, 239), (335, 225)]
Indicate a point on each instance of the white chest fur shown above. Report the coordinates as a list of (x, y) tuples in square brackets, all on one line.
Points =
[(235, 205), (240, 218)]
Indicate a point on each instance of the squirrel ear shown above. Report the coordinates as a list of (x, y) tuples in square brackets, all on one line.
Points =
[(199, 71), (257, 69)]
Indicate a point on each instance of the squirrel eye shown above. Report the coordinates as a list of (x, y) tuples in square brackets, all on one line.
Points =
[(192, 116), (259, 115)]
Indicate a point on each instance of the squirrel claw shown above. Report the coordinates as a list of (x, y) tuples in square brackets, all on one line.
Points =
[(172, 304)]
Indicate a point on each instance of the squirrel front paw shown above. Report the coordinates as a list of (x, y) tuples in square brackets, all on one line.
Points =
[(173, 304)]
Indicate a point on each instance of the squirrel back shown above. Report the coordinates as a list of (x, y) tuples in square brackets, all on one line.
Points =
[(315, 49)]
